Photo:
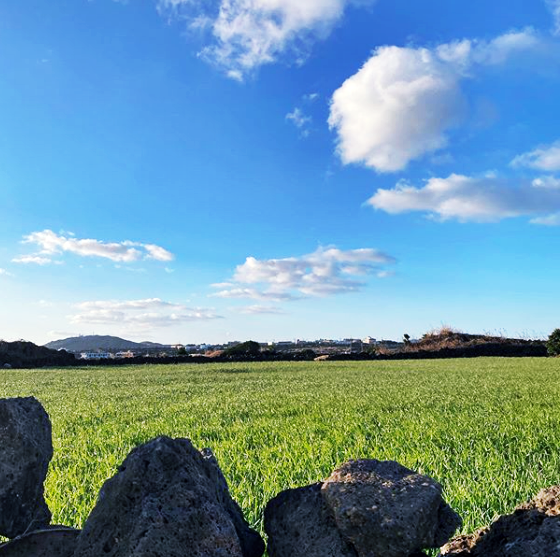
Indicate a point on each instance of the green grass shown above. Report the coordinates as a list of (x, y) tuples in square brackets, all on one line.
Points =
[(486, 429)]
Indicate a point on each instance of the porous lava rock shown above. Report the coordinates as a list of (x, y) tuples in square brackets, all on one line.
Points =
[(366, 508), (252, 544), (167, 499), (55, 542), (532, 530), (385, 509), (299, 524), (25, 452)]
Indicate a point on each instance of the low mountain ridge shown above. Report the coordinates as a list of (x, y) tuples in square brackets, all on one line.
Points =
[(104, 343)]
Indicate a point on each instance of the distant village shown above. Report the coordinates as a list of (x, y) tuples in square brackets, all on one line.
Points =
[(325, 346)]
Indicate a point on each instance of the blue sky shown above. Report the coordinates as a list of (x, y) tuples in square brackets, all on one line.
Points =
[(188, 171)]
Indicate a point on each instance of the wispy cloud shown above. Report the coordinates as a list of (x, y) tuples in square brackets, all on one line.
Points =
[(477, 199), (547, 182), (554, 6), (32, 259), (261, 310), (246, 34), (5, 273), (53, 245), (149, 303), (254, 294), (300, 120), (402, 103), (545, 158), (325, 272), (549, 220), (142, 314)]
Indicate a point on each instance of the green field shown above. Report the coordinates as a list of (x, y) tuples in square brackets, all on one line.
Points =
[(487, 429)]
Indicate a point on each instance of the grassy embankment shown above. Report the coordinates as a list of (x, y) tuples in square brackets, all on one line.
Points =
[(487, 429)]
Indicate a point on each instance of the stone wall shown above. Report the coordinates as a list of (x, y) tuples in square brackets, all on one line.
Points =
[(168, 499)]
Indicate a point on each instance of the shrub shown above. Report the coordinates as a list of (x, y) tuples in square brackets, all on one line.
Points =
[(553, 344), (249, 348)]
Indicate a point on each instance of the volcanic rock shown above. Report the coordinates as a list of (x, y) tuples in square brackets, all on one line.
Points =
[(25, 452), (252, 544), (532, 530), (299, 524), (55, 542), (385, 509), (167, 499)]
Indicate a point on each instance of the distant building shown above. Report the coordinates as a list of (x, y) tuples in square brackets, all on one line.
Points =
[(126, 354), (96, 356), (283, 344), (369, 340)]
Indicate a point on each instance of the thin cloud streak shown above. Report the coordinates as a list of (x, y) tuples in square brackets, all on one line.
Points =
[(144, 314), (52, 245)]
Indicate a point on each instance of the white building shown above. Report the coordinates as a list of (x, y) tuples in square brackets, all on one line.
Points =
[(96, 356)]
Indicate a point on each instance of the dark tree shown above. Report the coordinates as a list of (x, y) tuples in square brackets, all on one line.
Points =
[(249, 348), (553, 344)]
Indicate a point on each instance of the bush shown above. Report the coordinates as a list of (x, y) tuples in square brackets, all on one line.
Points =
[(249, 348), (553, 344)]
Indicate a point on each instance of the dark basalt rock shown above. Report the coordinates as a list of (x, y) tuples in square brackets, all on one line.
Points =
[(532, 530), (299, 524), (252, 544), (366, 508), (385, 509), (55, 542), (25, 453), (167, 499)]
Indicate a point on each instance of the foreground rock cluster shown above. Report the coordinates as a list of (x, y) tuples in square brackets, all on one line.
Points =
[(169, 499), (365, 508)]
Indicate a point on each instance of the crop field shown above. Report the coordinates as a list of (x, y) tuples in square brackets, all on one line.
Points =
[(487, 429)]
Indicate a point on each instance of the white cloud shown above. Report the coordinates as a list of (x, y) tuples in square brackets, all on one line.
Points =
[(52, 244), (247, 34), (299, 118), (403, 102), (261, 310), (142, 314), (5, 273), (545, 158), (548, 182), (157, 252), (32, 259), (149, 303), (253, 294), (554, 6), (324, 272), (480, 199), (548, 220), (311, 97)]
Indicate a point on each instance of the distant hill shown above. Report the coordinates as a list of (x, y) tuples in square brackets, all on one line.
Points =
[(104, 343)]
